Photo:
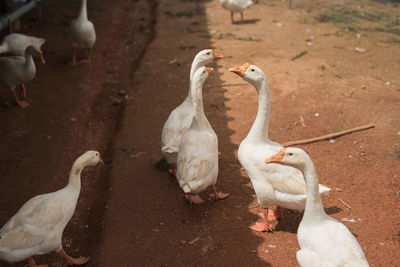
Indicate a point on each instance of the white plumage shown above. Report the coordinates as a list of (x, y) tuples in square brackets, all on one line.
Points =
[(38, 225), (181, 117), (324, 241), (16, 43), (197, 163), (274, 184)]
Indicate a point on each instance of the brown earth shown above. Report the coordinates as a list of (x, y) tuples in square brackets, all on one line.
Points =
[(132, 214)]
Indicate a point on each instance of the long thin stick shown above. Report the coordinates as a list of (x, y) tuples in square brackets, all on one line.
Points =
[(328, 136), (344, 203)]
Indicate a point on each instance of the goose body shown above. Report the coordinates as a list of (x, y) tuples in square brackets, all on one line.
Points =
[(17, 70), (235, 6), (197, 163), (274, 184), (82, 33), (324, 241), (181, 117), (16, 43), (38, 225)]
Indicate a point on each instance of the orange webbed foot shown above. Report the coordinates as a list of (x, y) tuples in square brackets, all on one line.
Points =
[(32, 263), (88, 61), (22, 104), (218, 196), (194, 199), (261, 227), (172, 171), (78, 261)]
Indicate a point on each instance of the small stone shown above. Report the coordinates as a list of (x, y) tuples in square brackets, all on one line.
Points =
[(387, 83), (316, 114), (272, 246), (331, 140)]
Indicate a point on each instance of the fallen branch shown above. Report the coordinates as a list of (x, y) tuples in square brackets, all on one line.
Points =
[(344, 203), (328, 136)]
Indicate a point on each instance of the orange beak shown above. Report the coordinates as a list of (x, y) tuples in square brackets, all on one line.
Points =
[(216, 55), (277, 158), (41, 57), (209, 69), (101, 160), (240, 70)]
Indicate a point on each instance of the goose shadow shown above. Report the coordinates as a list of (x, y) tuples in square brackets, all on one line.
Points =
[(247, 21), (292, 219)]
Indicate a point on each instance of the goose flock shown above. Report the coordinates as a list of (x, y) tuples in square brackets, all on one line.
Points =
[(281, 177)]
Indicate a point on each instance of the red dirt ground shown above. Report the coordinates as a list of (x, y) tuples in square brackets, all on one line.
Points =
[(132, 214)]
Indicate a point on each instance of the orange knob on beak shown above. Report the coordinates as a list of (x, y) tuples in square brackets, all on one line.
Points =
[(209, 69), (240, 70), (277, 158), (216, 55), (40, 55), (101, 160)]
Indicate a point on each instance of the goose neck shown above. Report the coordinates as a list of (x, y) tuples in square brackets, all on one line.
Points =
[(75, 176), (314, 207), (83, 11), (259, 130)]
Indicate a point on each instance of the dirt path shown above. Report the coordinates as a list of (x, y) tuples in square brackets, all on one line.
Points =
[(132, 214), (72, 109), (148, 222)]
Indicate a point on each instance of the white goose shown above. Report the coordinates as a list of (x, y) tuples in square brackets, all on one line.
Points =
[(235, 6), (38, 225), (274, 184), (323, 240), (83, 34), (16, 44), (197, 166), (16, 70), (181, 117)]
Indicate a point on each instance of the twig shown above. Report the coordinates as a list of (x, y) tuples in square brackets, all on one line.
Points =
[(344, 203), (328, 136), (299, 55), (302, 121)]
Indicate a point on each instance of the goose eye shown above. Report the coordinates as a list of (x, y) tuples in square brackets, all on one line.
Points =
[(204, 71), (252, 69), (290, 154), (208, 53), (97, 154)]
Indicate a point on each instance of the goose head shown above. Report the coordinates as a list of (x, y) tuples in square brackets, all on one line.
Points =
[(250, 73), (291, 156), (207, 56), (91, 158), (31, 50)]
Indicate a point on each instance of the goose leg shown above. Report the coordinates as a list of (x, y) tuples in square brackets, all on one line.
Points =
[(217, 195), (241, 17), (273, 215), (89, 59), (172, 169), (20, 103), (230, 21), (73, 261), (32, 263), (193, 199), (73, 62), (23, 90), (262, 227)]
